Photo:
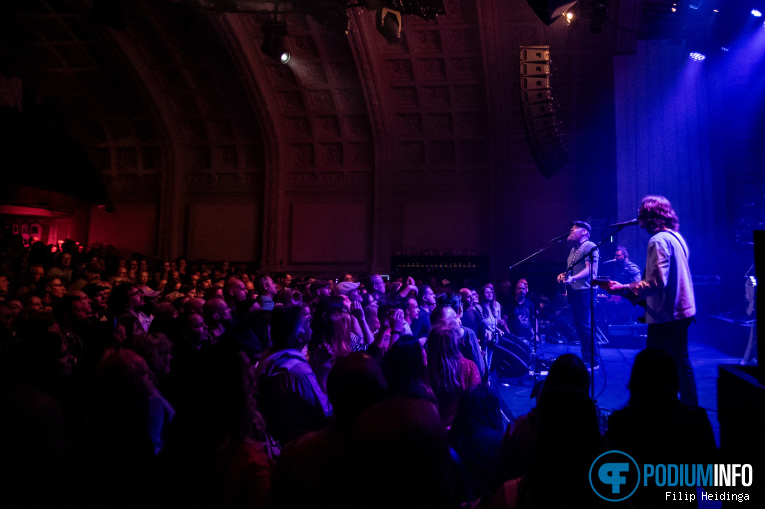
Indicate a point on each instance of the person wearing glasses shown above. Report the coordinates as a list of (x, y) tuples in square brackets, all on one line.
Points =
[(667, 289)]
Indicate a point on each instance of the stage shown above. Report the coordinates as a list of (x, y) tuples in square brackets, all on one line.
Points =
[(611, 382)]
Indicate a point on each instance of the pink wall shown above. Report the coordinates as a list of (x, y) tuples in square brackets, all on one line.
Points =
[(129, 228)]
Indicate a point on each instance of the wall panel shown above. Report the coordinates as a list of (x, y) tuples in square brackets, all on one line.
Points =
[(329, 233), (224, 231)]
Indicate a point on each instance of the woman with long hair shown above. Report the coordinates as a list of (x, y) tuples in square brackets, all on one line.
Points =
[(405, 368), (449, 372), (214, 455), (491, 317)]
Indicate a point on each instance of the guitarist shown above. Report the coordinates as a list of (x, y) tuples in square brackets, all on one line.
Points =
[(577, 278), (667, 289)]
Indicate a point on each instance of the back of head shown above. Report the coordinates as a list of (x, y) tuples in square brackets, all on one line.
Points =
[(654, 379), (332, 327), (405, 371), (212, 307), (478, 406), (403, 440), (285, 327), (569, 372), (153, 347), (119, 297), (444, 358), (193, 305), (121, 382), (354, 384), (658, 213), (215, 406), (560, 470), (442, 344), (450, 299), (442, 314)]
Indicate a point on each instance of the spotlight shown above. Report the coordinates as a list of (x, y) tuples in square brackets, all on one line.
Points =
[(725, 49), (569, 16), (697, 56), (756, 13), (388, 23), (273, 42)]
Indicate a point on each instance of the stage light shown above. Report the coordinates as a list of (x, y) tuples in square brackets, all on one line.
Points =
[(698, 57), (388, 23), (756, 13), (273, 42), (569, 16), (550, 10), (725, 49)]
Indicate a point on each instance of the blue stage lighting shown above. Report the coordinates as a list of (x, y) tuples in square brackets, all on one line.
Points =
[(698, 56), (756, 13)]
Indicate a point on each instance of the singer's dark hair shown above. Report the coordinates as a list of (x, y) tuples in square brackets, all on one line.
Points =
[(623, 250), (658, 213)]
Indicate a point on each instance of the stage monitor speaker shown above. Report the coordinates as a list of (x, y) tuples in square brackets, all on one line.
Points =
[(511, 357)]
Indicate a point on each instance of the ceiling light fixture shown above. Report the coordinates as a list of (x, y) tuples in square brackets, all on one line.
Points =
[(273, 41)]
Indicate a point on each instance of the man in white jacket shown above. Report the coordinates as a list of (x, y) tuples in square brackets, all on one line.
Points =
[(667, 289)]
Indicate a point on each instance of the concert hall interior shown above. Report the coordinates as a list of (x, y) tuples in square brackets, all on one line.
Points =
[(453, 142)]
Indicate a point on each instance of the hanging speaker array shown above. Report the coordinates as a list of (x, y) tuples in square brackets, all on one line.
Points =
[(538, 109)]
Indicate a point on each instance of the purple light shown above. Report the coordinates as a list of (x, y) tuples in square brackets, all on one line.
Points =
[(697, 56)]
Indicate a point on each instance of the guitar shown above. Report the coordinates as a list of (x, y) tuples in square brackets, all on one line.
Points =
[(602, 283)]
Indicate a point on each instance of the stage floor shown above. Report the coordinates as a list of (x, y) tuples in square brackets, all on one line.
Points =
[(611, 382), (611, 379)]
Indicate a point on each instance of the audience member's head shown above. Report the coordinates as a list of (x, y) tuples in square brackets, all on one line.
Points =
[(405, 439), (194, 305), (477, 407), (654, 379), (354, 384), (156, 350), (569, 372), (217, 313), (286, 327), (234, 292), (404, 366)]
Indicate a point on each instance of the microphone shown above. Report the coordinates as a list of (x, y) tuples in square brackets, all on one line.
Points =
[(561, 237), (624, 223), (607, 262)]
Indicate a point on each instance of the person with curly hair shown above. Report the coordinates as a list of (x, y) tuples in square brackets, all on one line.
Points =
[(667, 289)]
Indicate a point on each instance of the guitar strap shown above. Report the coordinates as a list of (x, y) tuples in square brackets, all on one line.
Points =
[(682, 244)]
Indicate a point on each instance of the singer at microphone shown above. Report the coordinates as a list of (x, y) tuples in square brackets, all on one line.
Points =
[(624, 223)]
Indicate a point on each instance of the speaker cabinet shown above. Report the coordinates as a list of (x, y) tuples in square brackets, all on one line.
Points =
[(543, 128)]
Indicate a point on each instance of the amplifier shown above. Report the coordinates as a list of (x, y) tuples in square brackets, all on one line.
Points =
[(631, 336)]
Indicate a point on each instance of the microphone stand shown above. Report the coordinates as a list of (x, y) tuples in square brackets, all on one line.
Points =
[(533, 258)]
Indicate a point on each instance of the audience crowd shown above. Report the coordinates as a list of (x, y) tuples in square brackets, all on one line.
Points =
[(135, 382)]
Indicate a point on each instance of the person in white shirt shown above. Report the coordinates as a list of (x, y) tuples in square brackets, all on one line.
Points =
[(667, 289)]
